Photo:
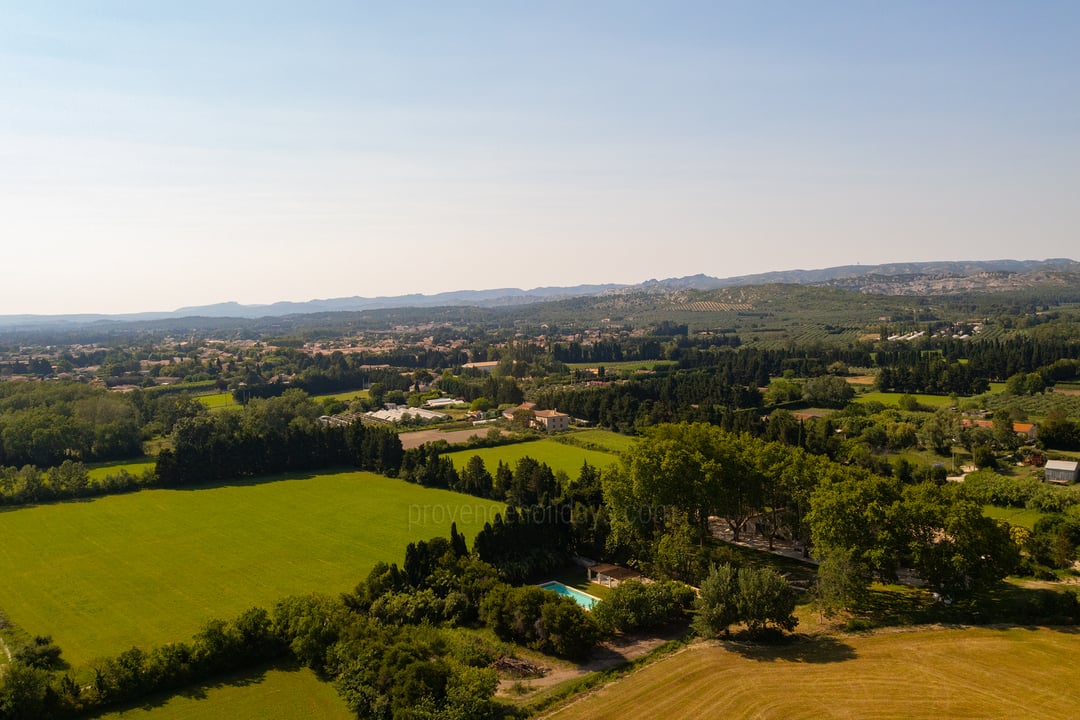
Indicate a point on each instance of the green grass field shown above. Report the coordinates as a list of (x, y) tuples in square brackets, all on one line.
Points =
[(277, 693), (605, 440), (893, 399), (344, 396), (953, 673), (98, 471), (217, 401), (151, 567), (1017, 517), (556, 454)]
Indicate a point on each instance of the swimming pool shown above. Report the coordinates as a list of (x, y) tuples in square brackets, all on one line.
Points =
[(583, 599)]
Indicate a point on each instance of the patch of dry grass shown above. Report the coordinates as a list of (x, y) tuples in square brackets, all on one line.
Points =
[(924, 673)]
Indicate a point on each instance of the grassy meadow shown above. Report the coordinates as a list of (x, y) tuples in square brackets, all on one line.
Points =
[(151, 567), (218, 401), (1017, 517), (99, 471), (347, 396), (277, 693), (891, 399), (605, 440), (937, 673), (932, 402), (559, 456)]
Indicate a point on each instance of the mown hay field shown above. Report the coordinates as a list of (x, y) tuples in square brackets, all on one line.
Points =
[(925, 673), (152, 567)]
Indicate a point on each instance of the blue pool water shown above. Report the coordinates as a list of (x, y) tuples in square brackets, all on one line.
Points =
[(583, 599)]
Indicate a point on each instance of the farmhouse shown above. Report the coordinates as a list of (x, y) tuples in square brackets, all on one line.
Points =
[(551, 420), (1026, 430), (1061, 472), (509, 412)]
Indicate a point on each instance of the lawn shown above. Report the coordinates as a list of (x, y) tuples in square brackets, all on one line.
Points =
[(277, 693), (556, 454), (944, 673), (151, 567)]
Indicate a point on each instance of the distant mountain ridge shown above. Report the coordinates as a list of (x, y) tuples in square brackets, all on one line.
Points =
[(962, 268), (891, 278)]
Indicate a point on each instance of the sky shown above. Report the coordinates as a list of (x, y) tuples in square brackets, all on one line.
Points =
[(155, 155)]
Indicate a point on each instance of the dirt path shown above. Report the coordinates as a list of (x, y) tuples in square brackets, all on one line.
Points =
[(7, 651), (608, 655), (719, 528)]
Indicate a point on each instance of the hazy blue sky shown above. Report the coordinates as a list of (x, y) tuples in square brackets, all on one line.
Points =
[(161, 154)]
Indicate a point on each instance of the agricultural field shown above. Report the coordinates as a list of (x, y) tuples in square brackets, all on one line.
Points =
[(953, 673), (558, 455), (1038, 406), (276, 693), (151, 567)]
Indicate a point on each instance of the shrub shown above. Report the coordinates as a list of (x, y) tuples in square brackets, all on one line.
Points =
[(634, 605)]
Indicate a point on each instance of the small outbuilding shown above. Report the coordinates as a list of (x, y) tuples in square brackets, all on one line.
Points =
[(1061, 472), (611, 575)]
